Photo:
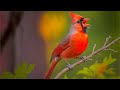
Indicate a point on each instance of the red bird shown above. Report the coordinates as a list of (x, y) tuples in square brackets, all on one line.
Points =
[(73, 45)]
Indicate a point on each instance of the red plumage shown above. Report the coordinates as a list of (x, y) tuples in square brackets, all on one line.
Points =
[(73, 45)]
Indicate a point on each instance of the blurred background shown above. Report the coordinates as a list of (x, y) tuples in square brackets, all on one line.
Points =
[(40, 31)]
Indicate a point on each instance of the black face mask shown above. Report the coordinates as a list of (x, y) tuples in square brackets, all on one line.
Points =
[(84, 28)]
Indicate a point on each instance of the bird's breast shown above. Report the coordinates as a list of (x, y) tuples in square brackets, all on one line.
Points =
[(78, 43)]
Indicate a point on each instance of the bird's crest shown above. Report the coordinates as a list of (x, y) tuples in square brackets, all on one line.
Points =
[(75, 17)]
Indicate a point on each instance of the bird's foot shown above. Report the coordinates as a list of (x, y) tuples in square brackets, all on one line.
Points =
[(69, 66), (83, 58)]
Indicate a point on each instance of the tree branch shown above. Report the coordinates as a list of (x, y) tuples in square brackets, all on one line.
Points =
[(103, 48), (14, 21)]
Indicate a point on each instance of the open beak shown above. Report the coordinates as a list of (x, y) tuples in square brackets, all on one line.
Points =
[(86, 19), (85, 22)]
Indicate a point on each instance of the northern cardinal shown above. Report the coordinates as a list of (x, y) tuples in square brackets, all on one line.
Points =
[(73, 45)]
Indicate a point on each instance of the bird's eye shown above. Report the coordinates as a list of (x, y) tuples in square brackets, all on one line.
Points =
[(80, 21)]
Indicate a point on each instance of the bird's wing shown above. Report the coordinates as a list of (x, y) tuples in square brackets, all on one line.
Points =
[(61, 47)]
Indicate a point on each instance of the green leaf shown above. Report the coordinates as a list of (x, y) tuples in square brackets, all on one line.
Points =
[(30, 68), (7, 75), (65, 77), (110, 71), (22, 72), (91, 72), (109, 60), (86, 71), (105, 60), (94, 66)]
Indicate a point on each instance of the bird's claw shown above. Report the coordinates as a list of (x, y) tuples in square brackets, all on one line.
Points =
[(83, 58), (69, 67)]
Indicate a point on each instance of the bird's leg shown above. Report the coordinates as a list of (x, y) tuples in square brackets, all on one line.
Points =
[(83, 58), (68, 65)]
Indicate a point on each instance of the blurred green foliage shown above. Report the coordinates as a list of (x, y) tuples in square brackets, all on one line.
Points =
[(98, 70), (21, 72), (103, 24)]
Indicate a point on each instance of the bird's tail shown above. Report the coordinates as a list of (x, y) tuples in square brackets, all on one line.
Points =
[(51, 68)]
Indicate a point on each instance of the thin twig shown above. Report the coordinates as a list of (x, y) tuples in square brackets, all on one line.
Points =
[(94, 48), (111, 50), (103, 48), (107, 39)]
